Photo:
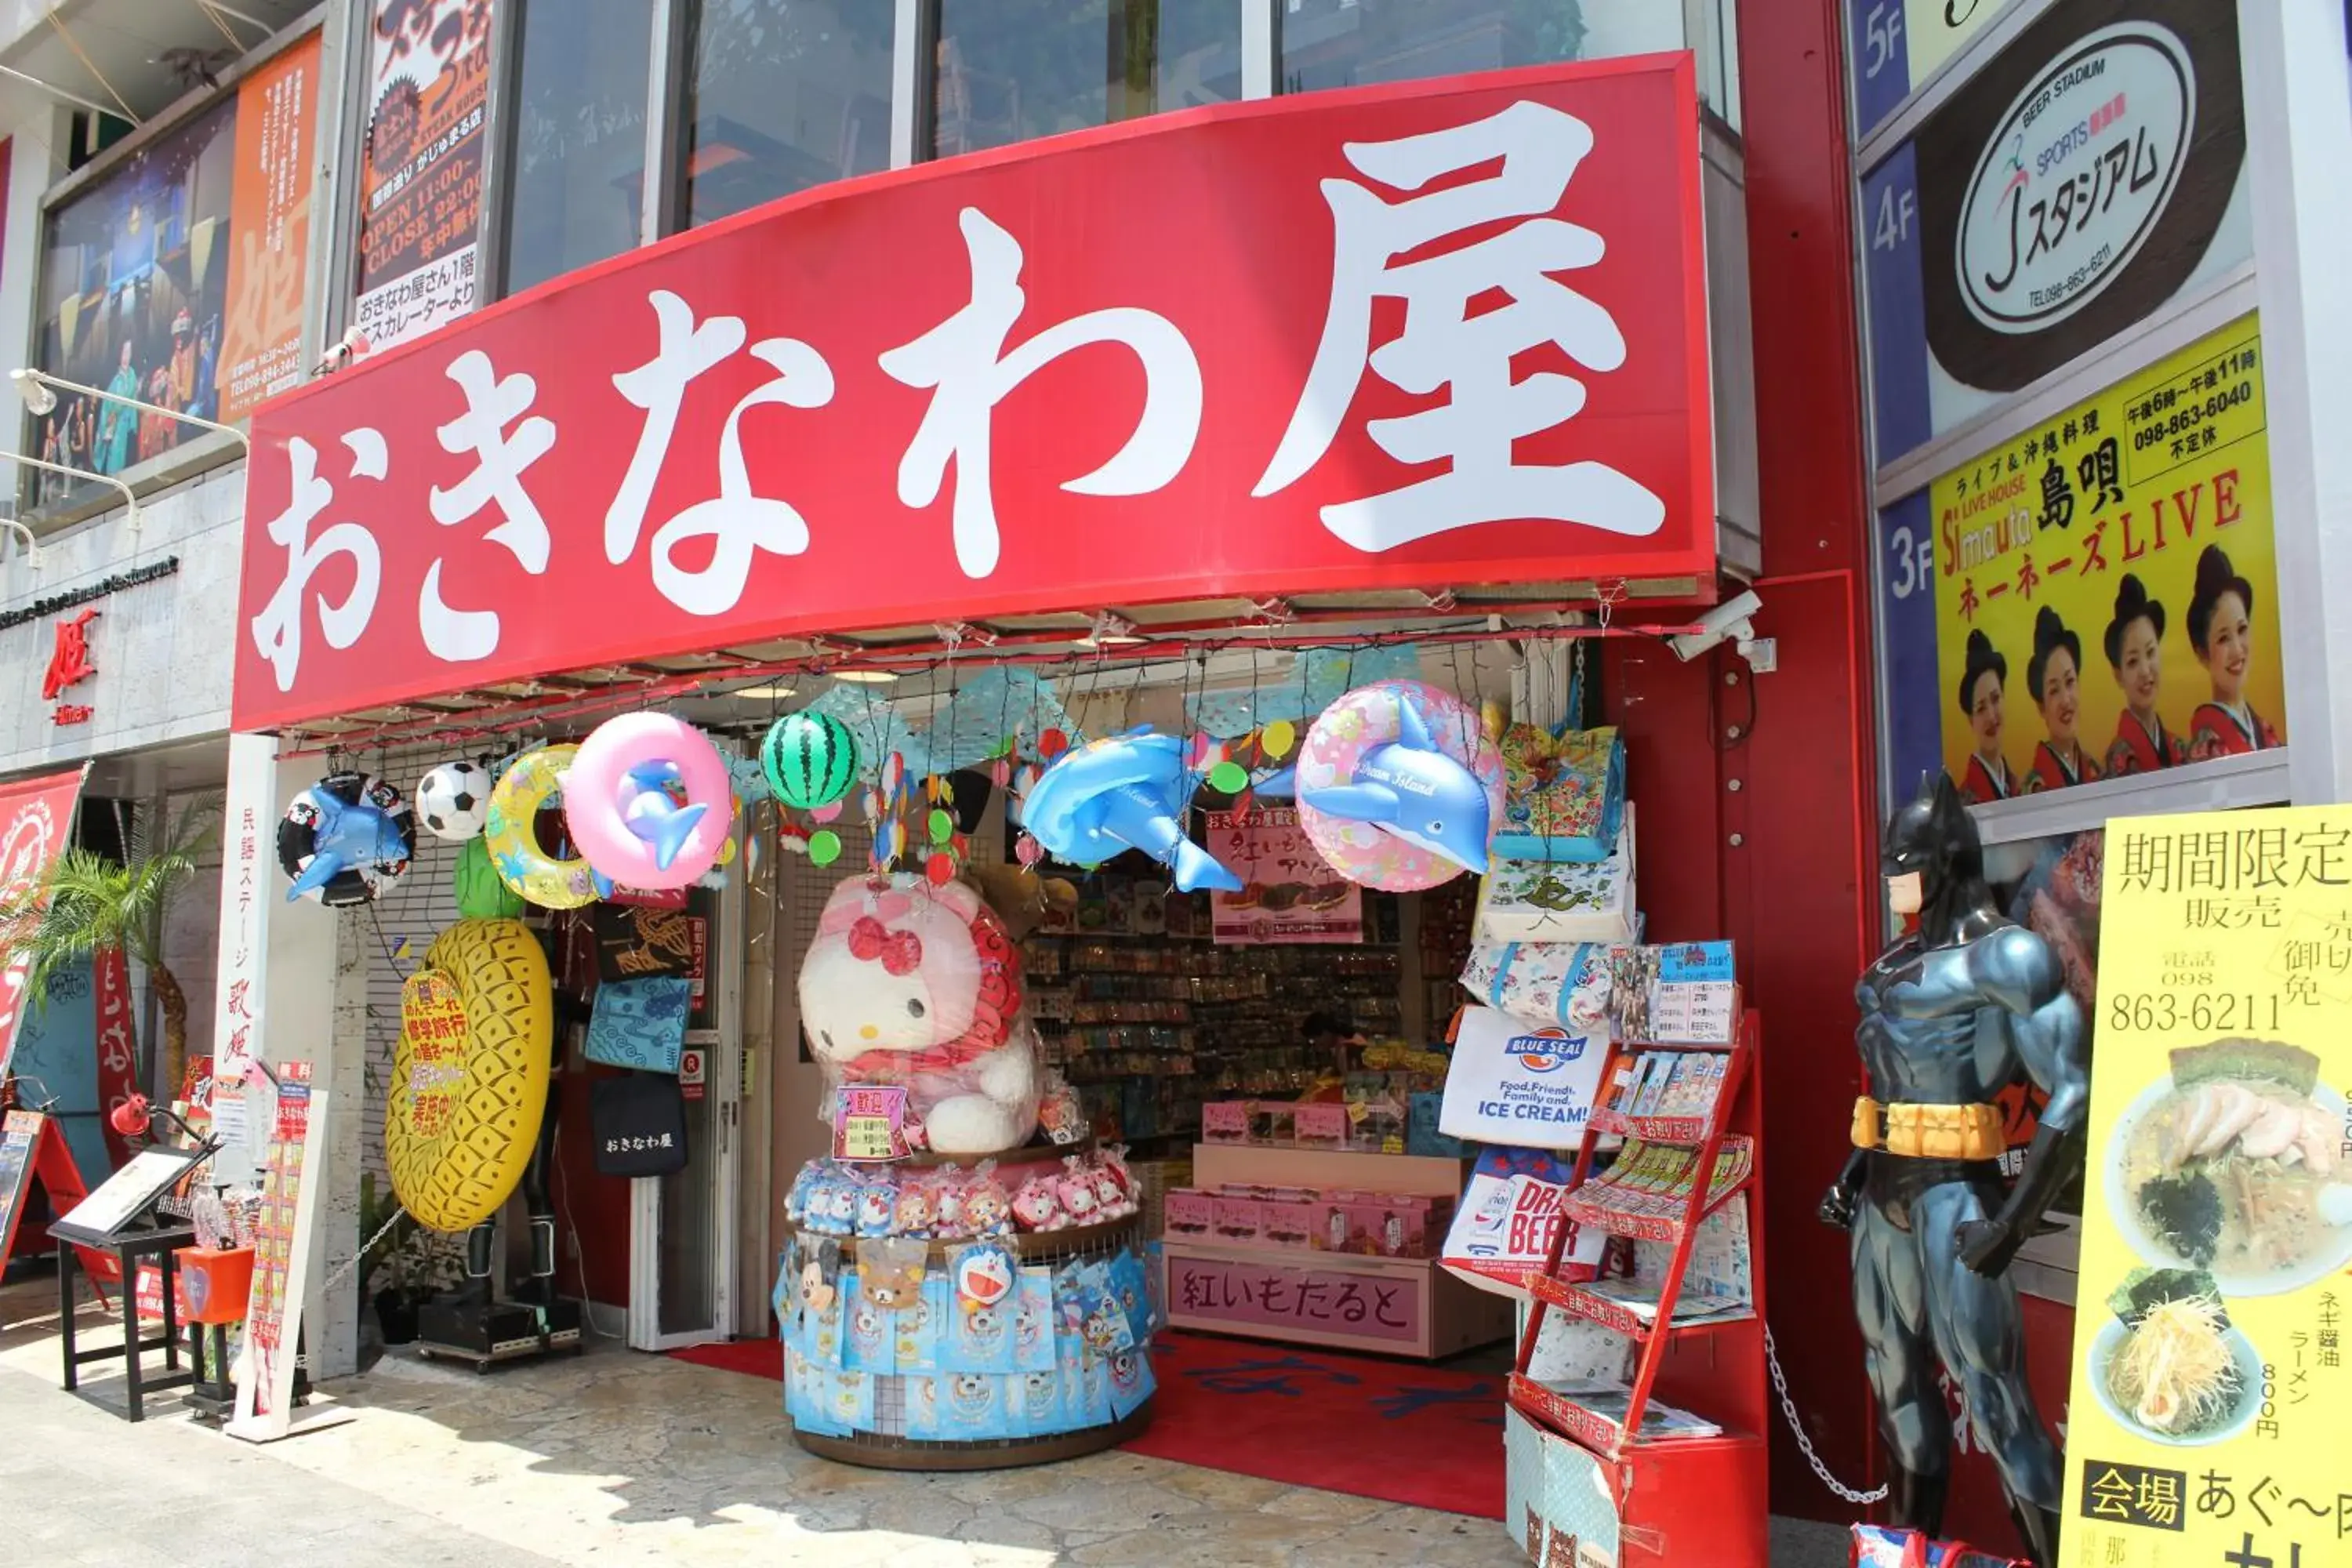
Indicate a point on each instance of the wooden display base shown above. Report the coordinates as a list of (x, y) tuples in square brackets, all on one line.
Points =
[(874, 1451)]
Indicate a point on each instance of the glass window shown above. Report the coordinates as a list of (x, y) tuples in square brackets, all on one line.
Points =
[(1352, 43), (782, 95), (580, 136), (1008, 70)]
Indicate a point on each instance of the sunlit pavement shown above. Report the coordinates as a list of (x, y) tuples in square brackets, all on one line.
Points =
[(615, 1457)]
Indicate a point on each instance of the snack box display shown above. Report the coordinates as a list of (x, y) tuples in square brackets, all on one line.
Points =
[(1239, 1218), (1190, 1213), (1290, 1221)]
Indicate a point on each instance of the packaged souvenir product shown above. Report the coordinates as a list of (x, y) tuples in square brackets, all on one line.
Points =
[(1131, 1383), (1038, 1205), (1033, 1321), (877, 1205)]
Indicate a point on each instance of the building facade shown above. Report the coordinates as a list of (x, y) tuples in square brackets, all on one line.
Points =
[(1910, 466)]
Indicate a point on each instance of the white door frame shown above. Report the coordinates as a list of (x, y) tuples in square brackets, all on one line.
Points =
[(724, 1070)]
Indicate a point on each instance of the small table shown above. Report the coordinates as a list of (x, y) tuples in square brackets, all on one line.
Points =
[(127, 1247)]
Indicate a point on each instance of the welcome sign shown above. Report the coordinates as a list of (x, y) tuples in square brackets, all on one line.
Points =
[(1515, 1083)]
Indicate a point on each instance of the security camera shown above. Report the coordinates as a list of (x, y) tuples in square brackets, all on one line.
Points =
[(1731, 620)]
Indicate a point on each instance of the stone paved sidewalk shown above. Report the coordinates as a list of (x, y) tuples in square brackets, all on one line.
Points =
[(615, 1457)]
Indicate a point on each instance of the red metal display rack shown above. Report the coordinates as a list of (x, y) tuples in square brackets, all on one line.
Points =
[(1681, 1500)]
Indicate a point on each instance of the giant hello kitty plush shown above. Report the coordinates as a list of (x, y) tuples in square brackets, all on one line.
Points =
[(910, 983)]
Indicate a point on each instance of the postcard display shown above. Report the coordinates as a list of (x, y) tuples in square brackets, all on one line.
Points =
[(928, 1326), (1613, 1087)]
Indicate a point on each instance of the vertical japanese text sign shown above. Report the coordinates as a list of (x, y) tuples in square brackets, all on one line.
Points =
[(1171, 360), (281, 1257), (2212, 1410)]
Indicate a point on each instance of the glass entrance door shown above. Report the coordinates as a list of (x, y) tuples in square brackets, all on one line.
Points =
[(682, 1225)]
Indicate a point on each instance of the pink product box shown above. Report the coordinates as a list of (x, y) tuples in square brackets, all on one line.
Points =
[(1190, 1211), (1383, 1224), (1290, 1222), (1225, 1122), (1239, 1218)]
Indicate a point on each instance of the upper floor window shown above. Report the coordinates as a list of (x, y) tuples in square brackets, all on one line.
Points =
[(1011, 71), (579, 148), (1354, 43), (782, 95)]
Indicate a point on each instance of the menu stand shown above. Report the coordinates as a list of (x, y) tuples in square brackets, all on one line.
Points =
[(127, 1245)]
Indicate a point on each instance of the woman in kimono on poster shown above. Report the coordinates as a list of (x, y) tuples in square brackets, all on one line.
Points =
[(1983, 682), (2136, 653), (2053, 676), (2221, 628)]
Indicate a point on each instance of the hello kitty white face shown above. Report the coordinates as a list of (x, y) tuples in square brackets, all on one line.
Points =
[(893, 970), (1078, 1198)]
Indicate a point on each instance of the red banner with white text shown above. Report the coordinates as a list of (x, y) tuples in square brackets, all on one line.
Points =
[(36, 824), (1433, 335)]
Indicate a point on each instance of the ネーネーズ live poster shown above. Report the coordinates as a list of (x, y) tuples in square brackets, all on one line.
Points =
[(2209, 1420), (2106, 597)]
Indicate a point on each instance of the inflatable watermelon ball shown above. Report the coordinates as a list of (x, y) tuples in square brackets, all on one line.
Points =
[(811, 760)]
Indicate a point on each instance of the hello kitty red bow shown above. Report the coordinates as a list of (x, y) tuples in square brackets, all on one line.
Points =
[(900, 953)]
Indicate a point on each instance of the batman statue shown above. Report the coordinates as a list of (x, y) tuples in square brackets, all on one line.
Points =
[(1951, 1015)]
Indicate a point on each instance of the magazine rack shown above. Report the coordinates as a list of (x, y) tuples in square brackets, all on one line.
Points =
[(1680, 1500)]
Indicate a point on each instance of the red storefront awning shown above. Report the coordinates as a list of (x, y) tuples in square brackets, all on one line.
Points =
[(1403, 338), (36, 824)]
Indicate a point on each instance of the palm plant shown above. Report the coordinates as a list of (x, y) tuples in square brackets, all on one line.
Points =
[(88, 902)]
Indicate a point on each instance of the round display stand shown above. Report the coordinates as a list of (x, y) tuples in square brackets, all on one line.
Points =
[(881, 1449)]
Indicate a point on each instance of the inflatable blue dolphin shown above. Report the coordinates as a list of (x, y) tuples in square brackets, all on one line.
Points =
[(1410, 788), (344, 838), (653, 816), (1122, 791)]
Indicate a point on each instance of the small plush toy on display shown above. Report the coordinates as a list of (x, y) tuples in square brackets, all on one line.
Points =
[(1038, 1205), (877, 1205), (1076, 1190)]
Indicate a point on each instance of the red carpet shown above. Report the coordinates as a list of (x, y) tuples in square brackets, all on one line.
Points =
[(761, 1358), (1392, 1430), (1397, 1431)]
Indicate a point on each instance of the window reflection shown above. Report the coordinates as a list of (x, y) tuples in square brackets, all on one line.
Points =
[(1008, 70), (580, 136), (782, 96), (1351, 43)]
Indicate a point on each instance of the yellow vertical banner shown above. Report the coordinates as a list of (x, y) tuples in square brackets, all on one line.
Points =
[(2210, 1422)]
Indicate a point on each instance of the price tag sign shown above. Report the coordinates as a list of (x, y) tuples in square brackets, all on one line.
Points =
[(870, 1123)]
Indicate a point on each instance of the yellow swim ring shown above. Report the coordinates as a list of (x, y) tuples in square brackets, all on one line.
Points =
[(531, 783), (469, 1075)]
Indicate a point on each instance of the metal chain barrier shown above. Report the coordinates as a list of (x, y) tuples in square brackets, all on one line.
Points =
[(1805, 1443), (369, 1245)]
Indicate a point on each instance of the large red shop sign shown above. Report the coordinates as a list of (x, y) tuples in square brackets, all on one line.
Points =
[(1439, 335)]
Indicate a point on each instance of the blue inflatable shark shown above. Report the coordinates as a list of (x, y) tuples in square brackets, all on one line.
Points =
[(653, 816), (1122, 791), (1410, 788), (346, 837)]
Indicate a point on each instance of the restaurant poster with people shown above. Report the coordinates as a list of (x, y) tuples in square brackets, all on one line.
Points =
[(2105, 598), (2211, 1412), (175, 276)]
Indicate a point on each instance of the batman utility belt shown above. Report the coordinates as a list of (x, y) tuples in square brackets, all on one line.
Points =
[(1929, 1132)]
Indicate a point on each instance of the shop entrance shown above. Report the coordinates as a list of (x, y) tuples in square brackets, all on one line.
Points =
[(682, 1231)]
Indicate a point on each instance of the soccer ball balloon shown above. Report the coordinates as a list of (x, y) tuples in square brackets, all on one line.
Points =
[(454, 800)]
